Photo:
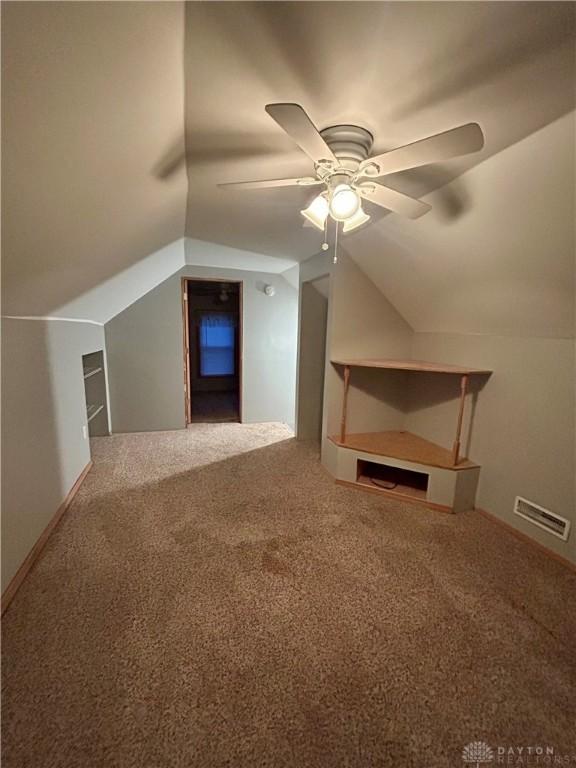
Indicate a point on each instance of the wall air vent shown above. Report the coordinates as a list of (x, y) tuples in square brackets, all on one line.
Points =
[(541, 517)]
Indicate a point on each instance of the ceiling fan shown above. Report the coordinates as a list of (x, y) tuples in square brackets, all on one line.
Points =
[(343, 167)]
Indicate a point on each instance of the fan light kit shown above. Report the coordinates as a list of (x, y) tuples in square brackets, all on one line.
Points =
[(344, 202), (342, 166), (318, 210)]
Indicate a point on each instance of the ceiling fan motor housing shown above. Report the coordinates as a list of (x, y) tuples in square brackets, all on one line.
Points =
[(343, 165), (350, 143)]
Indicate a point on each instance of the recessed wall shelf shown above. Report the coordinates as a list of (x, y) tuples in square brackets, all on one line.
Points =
[(91, 372), (93, 411), (94, 373)]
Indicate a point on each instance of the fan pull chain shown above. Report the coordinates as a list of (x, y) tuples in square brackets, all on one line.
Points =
[(325, 245), (335, 259)]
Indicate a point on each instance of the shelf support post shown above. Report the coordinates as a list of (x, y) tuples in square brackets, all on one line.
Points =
[(344, 403), (456, 446)]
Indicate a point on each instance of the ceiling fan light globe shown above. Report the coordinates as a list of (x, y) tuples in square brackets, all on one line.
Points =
[(317, 212), (344, 202), (355, 221)]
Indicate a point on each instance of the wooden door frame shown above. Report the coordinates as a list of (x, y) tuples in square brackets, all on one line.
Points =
[(186, 339)]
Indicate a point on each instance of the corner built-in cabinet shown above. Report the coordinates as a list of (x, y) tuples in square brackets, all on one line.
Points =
[(400, 464), (95, 388)]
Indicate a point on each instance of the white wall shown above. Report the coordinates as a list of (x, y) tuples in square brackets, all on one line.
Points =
[(43, 412), (145, 358)]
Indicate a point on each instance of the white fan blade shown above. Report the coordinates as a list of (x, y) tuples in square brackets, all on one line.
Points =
[(394, 201), (297, 124), (307, 182), (457, 141)]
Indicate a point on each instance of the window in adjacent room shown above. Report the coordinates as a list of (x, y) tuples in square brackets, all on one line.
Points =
[(217, 344), (212, 350)]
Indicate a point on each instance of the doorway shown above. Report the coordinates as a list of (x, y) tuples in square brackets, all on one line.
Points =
[(312, 358), (212, 314)]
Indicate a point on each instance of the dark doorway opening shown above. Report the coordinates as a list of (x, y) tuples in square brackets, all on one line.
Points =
[(213, 359)]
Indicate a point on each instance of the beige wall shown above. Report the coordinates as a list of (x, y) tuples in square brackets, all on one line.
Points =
[(364, 324), (43, 412), (92, 100), (523, 422), (361, 323), (519, 423), (145, 358), (488, 279)]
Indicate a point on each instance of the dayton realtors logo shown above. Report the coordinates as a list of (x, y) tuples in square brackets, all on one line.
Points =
[(477, 753)]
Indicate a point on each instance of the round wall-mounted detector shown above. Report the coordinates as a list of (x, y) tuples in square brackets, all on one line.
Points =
[(269, 290)]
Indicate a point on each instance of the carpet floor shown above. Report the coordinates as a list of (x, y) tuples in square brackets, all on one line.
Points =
[(212, 599), (211, 407)]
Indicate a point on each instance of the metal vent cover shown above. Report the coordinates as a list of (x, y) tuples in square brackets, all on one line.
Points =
[(543, 518)]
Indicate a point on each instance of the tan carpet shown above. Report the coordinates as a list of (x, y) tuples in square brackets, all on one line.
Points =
[(213, 599)]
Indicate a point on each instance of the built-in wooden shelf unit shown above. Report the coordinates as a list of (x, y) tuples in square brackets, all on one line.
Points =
[(409, 454), (410, 444), (404, 445), (419, 366)]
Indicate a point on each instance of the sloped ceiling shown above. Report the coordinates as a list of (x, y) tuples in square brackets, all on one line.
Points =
[(110, 297), (402, 70), (93, 97), (99, 97), (506, 263)]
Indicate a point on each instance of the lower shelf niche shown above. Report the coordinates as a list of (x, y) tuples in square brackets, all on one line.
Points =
[(392, 479)]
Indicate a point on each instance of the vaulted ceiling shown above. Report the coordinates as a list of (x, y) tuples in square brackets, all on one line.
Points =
[(120, 119), (496, 254), (402, 70), (92, 97)]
